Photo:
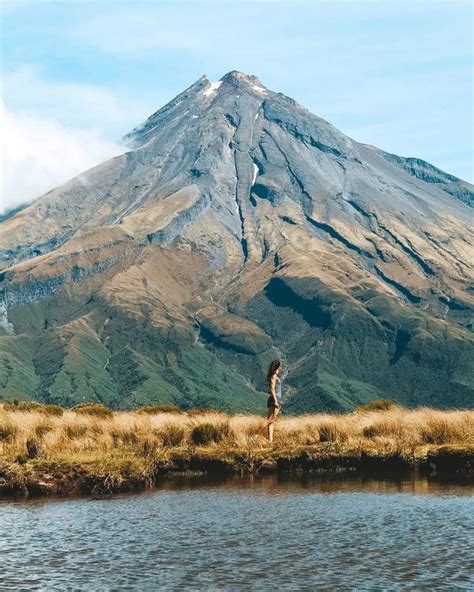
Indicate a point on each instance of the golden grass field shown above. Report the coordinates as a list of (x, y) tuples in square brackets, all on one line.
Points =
[(124, 446)]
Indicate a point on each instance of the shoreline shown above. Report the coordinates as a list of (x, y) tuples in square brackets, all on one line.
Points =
[(46, 450), (87, 477)]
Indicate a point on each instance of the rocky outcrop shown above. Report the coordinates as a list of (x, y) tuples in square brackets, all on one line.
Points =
[(430, 174), (182, 218)]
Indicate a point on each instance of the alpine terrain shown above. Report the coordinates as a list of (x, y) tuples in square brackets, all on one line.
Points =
[(241, 228)]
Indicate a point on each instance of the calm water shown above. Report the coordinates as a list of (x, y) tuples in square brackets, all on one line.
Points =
[(245, 534)]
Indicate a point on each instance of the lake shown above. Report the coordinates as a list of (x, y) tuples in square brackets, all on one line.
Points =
[(253, 533)]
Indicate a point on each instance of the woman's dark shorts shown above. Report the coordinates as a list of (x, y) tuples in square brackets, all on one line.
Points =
[(271, 402)]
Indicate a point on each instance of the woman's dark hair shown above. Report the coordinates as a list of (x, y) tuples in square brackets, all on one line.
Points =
[(272, 369)]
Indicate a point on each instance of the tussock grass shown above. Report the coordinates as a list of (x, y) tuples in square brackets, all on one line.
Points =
[(125, 443), (8, 430), (97, 409), (171, 435), (50, 410), (211, 433), (42, 429), (163, 408), (377, 405), (16, 405)]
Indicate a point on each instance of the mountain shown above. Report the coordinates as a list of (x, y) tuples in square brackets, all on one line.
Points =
[(239, 228)]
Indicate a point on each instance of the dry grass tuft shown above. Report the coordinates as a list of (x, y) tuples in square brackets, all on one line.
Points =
[(211, 433), (42, 429), (171, 435), (74, 431), (163, 408), (8, 430), (377, 405), (97, 409), (50, 410), (16, 405)]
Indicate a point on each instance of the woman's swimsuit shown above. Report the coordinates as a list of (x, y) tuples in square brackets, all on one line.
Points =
[(271, 400)]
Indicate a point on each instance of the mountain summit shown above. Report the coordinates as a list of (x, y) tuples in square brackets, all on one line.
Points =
[(239, 228)]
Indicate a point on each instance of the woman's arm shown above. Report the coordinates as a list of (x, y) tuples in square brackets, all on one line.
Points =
[(272, 390)]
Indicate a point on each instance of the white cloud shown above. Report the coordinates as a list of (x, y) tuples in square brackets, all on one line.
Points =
[(54, 130), (38, 153), (72, 104)]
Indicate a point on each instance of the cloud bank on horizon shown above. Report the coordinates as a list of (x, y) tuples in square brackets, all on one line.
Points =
[(39, 153), (394, 74)]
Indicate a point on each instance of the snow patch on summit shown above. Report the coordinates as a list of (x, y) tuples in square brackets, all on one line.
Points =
[(212, 88), (259, 89)]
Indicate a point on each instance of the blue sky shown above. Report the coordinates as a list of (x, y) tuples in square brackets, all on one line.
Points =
[(77, 75)]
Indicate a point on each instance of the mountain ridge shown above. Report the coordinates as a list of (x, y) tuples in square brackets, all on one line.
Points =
[(236, 208)]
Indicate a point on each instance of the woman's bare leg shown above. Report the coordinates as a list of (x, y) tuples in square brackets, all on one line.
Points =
[(271, 418), (270, 431)]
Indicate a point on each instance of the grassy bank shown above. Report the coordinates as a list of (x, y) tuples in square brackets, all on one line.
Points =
[(50, 451)]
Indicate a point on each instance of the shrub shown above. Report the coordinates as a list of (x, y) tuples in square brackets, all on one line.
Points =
[(208, 433), (377, 405), (162, 408), (51, 410), (97, 409)]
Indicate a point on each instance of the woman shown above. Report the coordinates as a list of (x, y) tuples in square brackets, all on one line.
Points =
[(274, 399)]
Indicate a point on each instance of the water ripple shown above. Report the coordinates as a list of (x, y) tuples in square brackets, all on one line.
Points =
[(244, 536)]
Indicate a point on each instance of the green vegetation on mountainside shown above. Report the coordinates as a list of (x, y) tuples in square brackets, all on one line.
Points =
[(339, 351)]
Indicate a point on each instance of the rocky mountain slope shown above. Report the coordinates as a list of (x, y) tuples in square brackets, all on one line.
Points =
[(239, 228)]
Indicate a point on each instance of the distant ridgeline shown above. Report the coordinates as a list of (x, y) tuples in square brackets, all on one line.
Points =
[(240, 228)]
